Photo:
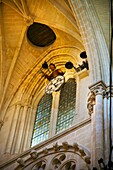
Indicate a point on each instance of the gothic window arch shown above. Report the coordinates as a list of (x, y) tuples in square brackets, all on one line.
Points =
[(42, 120), (66, 109), (45, 121)]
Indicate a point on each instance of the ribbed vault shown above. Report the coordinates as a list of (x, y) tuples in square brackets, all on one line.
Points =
[(75, 32)]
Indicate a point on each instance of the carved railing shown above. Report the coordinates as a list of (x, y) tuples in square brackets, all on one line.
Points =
[(50, 156), (59, 157)]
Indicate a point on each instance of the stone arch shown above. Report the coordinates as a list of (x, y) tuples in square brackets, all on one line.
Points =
[(29, 87), (97, 52), (93, 39), (26, 97), (57, 157)]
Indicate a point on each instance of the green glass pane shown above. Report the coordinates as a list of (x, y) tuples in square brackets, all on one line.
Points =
[(42, 121), (66, 109)]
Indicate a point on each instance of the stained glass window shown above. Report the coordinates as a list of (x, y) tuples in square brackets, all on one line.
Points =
[(42, 120), (66, 109)]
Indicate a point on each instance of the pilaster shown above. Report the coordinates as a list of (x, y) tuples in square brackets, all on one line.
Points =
[(97, 121), (13, 129), (109, 92), (21, 129), (29, 125), (15, 140), (106, 127), (55, 104)]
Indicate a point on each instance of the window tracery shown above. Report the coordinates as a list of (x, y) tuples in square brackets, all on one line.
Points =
[(65, 113), (68, 157), (42, 120), (66, 109)]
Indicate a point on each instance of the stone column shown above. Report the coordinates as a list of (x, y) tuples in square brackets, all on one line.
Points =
[(15, 141), (54, 113), (106, 128), (21, 130), (13, 130), (26, 134), (91, 111), (97, 120), (110, 120)]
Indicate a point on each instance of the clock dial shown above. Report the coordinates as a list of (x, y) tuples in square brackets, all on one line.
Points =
[(50, 88), (55, 84)]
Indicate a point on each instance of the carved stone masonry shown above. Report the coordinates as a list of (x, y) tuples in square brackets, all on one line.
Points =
[(96, 89), (99, 90), (34, 154), (90, 102), (21, 161), (67, 157), (28, 20), (109, 92)]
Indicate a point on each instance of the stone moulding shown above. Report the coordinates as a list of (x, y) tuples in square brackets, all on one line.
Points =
[(12, 162), (56, 157)]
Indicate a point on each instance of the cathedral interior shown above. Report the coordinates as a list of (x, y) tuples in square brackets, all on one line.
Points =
[(56, 88)]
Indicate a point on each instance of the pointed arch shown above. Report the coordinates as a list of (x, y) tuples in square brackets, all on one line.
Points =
[(42, 120), (66, 109)]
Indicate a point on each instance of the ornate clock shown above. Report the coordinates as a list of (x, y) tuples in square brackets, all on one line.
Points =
[(55, 84)]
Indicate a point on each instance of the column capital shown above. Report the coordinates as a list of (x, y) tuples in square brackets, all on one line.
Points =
[(98, 88), (109, 91)]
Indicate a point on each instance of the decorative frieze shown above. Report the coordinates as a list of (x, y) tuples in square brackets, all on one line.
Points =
[(67, 157), (21, 161), (56, 147), (65, 145), (34, 154), (39, 165), (76, 147), (45, 151)]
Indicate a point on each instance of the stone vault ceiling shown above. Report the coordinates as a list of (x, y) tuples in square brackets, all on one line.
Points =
[(19, 57)]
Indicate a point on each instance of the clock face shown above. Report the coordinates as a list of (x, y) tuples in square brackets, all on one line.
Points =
[(55, 84)]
